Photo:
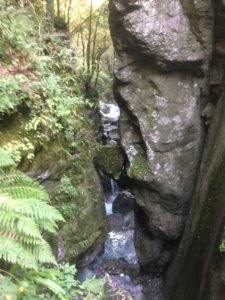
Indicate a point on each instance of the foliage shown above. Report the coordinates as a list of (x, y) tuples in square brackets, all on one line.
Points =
[(66, 199), (41, 85), (25, 213), (67, 188), (93, 287), (222, 244), (89, 33), (16, 31), (41, 81), (12, 94), (50, 284)]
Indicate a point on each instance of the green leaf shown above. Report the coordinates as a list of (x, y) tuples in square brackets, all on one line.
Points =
[(51, 285), (24, 215)]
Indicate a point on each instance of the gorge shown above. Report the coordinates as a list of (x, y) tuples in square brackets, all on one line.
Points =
[(169, 84), (137, 173)]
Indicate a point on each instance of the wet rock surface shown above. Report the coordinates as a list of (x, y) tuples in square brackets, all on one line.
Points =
[(122, 222), (124, 202), (118, 262)]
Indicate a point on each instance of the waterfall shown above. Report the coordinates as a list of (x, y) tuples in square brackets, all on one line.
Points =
[(118, 259), (111, 197)]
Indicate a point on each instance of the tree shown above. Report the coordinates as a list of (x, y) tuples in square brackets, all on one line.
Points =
[(50, 14), (89, 33)]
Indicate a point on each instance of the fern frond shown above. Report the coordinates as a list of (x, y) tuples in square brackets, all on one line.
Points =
[(34, 208), (13, 252), (25, 213), (28, 227), (43, 253), (19, 185), (19, 191), (20, 226), (5, 159), (13, 177), (7, 219), (48, 226), (23, 239)]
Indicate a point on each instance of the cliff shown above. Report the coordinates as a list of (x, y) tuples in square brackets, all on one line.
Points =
[(169, 82)]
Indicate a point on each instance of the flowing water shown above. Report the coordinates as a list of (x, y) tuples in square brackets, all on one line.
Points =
[(118, 262), (111, 197)]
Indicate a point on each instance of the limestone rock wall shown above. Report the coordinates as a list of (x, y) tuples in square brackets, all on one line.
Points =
[(163, 54)]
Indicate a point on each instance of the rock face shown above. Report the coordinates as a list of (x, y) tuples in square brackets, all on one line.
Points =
[(79, 197), (188, 276), (161, 85), (197, 271)]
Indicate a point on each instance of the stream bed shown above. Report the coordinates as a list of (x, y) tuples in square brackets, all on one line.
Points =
[(118, 261)]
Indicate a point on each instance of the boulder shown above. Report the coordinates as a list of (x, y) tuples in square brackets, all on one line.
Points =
[(161, 71), (110, 159), (124, 202), (120, 222)]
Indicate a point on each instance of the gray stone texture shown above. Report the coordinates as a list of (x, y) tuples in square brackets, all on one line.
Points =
[(198, 267), (163, 49)]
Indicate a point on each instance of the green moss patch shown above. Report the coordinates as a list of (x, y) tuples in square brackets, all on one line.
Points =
[(139, 166), (110, 159)]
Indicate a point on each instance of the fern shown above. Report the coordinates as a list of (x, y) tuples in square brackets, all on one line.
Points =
[(15, 253), (5, 159), (25, 213), (31, 207)]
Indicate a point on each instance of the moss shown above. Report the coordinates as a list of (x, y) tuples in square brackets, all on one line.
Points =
[(84, 212), (191, 42), (218, 179), (139, 166), (150, 127), (161, 41), (110, 159), (190, 11)]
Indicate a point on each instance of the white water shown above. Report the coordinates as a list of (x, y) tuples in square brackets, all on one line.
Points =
[(109, 112), (119, 247), (119, 259), (110, 199)]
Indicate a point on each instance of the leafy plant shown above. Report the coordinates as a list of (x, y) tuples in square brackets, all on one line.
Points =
[(25, 213), (50, 284), (15, 31), (41, 83), (67, 187), (9, 89)]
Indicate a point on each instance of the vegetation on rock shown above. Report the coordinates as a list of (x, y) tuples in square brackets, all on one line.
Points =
[(110, 159), (44, 82)]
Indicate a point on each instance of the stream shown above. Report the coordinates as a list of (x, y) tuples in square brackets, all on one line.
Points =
[(118, 261)]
